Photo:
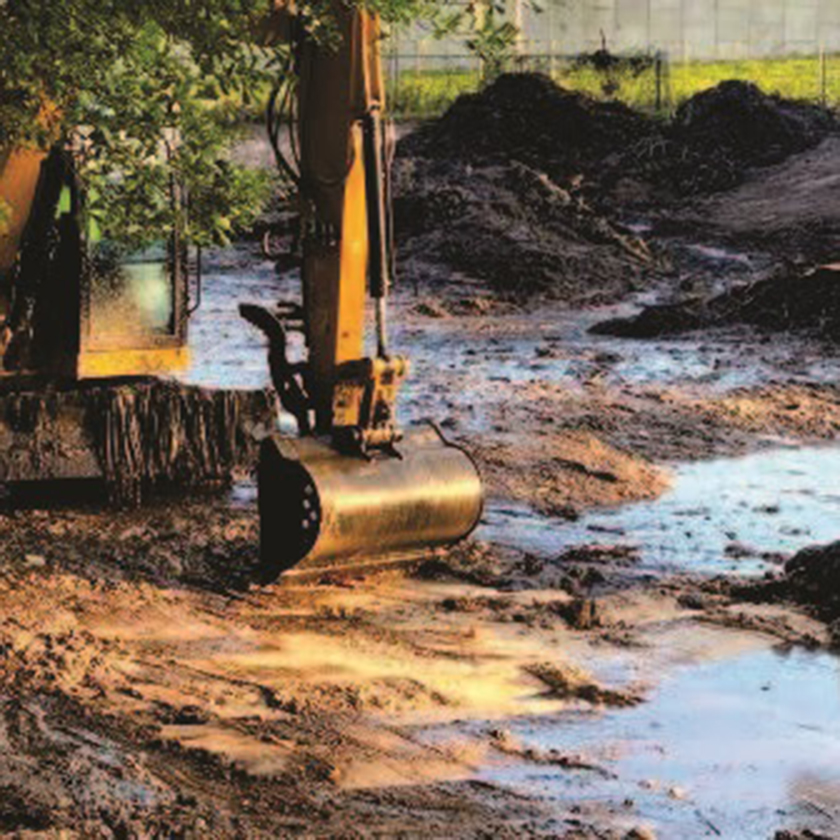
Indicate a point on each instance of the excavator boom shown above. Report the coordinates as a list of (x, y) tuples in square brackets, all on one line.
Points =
[(355, 487)]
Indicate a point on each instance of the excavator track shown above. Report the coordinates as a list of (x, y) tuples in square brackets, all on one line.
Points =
[(130, 437)]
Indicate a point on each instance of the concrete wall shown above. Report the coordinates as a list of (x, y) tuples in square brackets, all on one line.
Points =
[(701, 29)]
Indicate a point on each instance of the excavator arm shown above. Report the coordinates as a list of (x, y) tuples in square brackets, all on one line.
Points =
[(360, 487), (340, 174)]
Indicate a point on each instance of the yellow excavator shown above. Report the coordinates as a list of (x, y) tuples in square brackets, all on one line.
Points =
[(352, 487)]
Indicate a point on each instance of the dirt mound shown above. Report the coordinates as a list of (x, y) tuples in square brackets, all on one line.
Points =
[(714, 138), (721, 133), (812, 578), (527, 117), (513, 228), (516, 186), (750, 126), (489, 192), (790, 301), (559, 474)]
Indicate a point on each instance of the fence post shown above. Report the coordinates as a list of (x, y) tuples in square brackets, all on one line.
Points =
[(519, 23), (658, 68), (823, 76)]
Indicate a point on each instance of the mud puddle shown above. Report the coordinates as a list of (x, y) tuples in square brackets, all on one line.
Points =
[(487, 354), (736, 748), (225, 351), (729, 515), (458, 363)]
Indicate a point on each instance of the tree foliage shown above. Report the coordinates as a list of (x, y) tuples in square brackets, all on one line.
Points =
[(147, 93), (150, 91), (4, 216), (157, 120), (487, 28)]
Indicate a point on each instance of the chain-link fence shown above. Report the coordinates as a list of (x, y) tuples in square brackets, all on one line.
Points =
[(424, 84), (664, 51), (686, 29)]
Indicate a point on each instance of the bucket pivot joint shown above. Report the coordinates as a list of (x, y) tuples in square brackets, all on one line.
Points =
[(364, 405)]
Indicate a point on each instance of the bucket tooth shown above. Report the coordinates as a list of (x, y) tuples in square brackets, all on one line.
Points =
[(322, 509)]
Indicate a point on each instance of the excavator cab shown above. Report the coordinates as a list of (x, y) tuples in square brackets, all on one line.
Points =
[(354, 487), (81, 316), (74, 306)]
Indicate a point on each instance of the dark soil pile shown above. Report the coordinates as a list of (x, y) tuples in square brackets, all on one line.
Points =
[(812, 578), (527, 117), (479, 192), (714, 138), (517, 186), (790, 301), (513, 228), (752, 128), (718, 135)]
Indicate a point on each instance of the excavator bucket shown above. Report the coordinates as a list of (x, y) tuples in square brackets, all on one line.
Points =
[(320, 509)]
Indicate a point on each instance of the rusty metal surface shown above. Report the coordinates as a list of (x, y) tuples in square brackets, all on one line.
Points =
[(19, 172), (72, 320)]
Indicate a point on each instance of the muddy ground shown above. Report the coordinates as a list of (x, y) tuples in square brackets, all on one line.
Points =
[(596, 662)]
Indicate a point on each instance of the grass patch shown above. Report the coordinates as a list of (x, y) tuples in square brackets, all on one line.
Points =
[(423, 94)]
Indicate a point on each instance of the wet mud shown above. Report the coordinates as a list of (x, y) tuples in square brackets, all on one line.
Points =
[(793, 300), (595, 663), (161, 692)]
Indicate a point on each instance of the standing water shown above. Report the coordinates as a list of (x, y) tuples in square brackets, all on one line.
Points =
[(719, 516), (735, 749)]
